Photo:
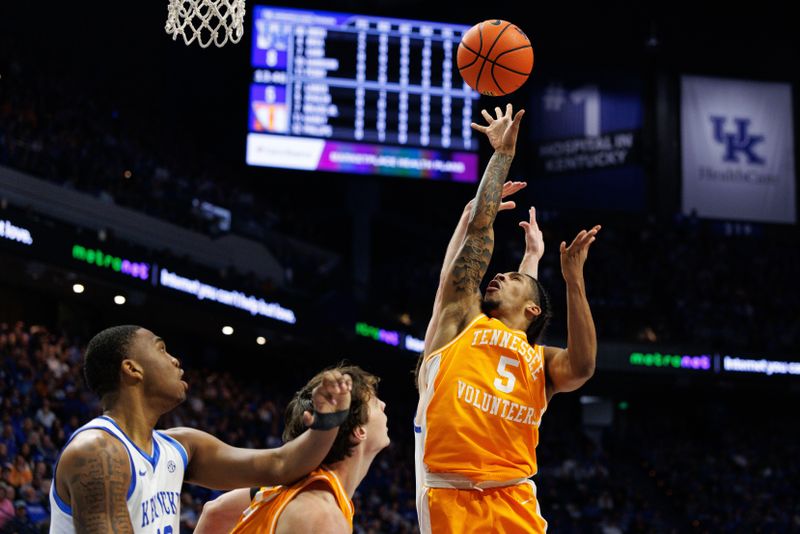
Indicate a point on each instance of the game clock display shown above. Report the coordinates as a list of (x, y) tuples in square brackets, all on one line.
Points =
[(359, 94)]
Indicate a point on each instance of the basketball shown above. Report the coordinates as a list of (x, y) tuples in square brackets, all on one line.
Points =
[(495, 57)]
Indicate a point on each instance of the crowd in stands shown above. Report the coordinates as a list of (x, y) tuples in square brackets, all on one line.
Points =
[(665, 281), (646, 473)]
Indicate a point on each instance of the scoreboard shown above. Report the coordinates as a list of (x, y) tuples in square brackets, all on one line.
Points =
[(359, 94)]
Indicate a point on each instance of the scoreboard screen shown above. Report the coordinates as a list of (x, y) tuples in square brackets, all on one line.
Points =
[(359, 94)]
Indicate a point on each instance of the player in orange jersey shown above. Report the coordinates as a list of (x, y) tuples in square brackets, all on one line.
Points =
[(321, 501), (484, 382)]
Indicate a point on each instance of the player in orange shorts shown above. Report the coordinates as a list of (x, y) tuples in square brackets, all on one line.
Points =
[(321, 501), (484, 382)]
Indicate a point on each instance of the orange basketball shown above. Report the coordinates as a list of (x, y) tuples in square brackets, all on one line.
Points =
[(495, 57)]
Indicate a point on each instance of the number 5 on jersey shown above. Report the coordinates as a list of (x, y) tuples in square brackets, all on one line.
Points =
[(505, 387)]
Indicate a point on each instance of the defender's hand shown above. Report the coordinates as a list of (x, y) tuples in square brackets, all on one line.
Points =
[(333, 395), (534, 241), (509, 188)]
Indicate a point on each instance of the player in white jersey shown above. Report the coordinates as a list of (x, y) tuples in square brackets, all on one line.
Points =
[(117, 474)]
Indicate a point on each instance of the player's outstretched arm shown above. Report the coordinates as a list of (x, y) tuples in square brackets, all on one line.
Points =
[(534, 245), (455, 244), (95, 473), (460, 295), (570, 368), (216, 465), (222, 514)]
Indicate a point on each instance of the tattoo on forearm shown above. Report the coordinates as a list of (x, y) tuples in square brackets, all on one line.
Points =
[(491, 188), (472, 262), (99, 488)]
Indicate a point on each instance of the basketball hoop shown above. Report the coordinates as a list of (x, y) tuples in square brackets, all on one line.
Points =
[(207, 21)]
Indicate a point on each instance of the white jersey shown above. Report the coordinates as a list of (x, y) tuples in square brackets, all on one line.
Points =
[(154, 496)]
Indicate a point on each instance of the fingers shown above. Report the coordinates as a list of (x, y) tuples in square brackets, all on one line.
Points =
[(578, 238), (346, 383), (583, 239), (487, 116), (308, 419), (517, 118), (563, 247), (335, 383), (507, 205), (478, 127), (330, 382), (333, 393), (532, 213), (498, 112), (589, 236), (509, 188), (525, 225)]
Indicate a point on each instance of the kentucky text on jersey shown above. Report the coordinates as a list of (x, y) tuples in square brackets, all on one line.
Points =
[(161, 504)]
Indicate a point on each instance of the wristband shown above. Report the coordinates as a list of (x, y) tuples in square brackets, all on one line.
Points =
[(328, 421)]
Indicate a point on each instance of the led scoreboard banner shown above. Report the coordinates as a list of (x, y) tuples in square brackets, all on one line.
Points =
[(359, 94)]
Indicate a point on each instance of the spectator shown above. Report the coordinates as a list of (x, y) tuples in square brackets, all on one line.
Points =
[(6, 505), (35, 510), (45, 415), (21, 473), (8, 438)]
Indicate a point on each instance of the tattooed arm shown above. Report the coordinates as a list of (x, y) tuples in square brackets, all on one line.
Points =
[(93, 476), (456, 241), (460, 297)]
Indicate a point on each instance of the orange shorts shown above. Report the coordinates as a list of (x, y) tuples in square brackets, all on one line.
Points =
[(508, 510)]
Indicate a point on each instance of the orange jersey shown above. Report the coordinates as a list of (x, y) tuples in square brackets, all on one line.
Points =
[(261, 517), (483, 403), (482, 397)]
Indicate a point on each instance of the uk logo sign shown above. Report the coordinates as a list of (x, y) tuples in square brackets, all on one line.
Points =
[(738, 141), (737, 148)]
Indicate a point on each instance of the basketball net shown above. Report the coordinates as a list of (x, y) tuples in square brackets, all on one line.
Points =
[(206, 21)]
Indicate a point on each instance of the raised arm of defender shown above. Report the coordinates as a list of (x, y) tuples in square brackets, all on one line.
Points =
[(570, 368), (534, 245), (460, 296)]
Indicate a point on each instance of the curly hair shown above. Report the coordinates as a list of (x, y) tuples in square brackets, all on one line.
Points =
[(365, 386), (104, 355)]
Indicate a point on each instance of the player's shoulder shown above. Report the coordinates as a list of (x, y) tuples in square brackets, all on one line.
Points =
[(454, 324), (91, 444), (313, 510)]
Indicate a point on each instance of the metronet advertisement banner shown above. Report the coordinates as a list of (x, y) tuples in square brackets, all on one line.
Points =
[(738, 150), (586, 138)]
